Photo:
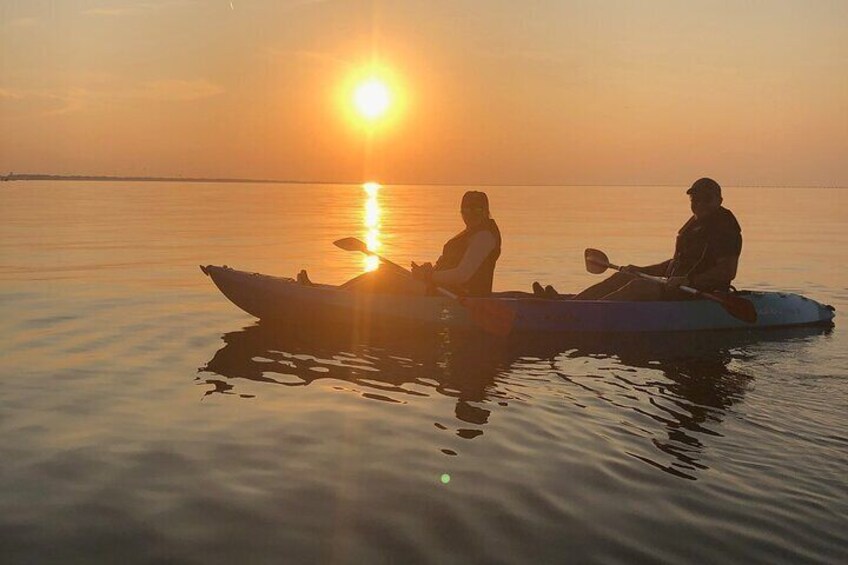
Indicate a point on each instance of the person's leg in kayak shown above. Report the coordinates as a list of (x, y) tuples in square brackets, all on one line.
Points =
[(636, 290), (605, 287), (386, 280)]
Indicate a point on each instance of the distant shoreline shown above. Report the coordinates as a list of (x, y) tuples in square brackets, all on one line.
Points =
[(40, 176), (103, 178)]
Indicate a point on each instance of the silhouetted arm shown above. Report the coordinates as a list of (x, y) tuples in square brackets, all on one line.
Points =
[(721, 274)]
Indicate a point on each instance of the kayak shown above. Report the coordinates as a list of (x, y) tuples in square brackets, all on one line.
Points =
[(280, 299)]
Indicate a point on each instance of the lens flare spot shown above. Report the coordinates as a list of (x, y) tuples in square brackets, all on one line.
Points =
[(445, 478)]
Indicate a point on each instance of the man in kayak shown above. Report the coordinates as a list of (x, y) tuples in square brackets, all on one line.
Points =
[(706, 255), (466, 266)]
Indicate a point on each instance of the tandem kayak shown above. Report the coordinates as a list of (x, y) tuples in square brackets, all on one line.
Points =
[(279, 299)]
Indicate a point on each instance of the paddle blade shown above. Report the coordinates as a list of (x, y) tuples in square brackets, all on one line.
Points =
[(740, 308), (597, 261), (491, 316), (351, 244)]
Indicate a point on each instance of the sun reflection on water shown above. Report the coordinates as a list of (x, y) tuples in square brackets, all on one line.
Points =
[(371, 220)]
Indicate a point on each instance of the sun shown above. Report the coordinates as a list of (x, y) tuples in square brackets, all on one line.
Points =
[(372, 98)]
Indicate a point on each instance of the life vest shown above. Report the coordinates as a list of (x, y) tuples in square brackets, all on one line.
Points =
[(701, 242), (480, 283)]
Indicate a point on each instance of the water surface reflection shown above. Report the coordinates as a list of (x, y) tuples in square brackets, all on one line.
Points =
[(665, 397), (385, 367), (673, 390)]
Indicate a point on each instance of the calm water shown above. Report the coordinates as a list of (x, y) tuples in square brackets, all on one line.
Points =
[(144, 418)]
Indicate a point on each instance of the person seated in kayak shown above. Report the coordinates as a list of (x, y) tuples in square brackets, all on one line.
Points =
[(466, 266), (706, 255), (467, 263)]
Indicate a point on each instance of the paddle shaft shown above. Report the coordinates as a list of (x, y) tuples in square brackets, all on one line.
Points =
[(597, 262), (663, 280)]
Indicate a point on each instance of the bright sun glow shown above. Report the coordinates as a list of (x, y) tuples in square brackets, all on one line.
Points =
[(372, 98)]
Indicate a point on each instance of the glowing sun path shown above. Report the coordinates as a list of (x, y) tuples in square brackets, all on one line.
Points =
[(371, 219)]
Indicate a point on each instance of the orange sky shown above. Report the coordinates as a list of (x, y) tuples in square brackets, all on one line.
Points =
[(490, 92)]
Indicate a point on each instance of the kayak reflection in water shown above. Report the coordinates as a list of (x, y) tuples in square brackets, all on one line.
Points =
[(670, 396), (384, 366), (706, 255), (466, 266)]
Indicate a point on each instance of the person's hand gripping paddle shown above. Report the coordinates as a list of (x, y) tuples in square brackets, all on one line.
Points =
[(490, 315), (597, 263)]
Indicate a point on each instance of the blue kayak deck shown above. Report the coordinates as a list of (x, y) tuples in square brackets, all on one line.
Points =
[(274, 298)]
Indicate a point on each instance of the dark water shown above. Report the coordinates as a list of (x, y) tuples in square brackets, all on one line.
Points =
[(144, 418)]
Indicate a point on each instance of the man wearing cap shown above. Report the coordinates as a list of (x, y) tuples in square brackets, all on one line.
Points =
[(706, 255), (467, 263)]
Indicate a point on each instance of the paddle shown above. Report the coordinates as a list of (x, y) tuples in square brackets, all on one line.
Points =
[(597, 262), (491, 316)]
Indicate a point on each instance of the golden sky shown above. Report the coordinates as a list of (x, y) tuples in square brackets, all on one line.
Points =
[(749, 92)]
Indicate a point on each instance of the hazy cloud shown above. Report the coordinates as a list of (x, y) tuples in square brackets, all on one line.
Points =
[(135, 8), (41, 102), (317, 56), (10, 93), (293, 4), (23, 22), (178, 90)]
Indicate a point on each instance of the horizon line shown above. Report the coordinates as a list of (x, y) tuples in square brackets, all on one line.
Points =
[(11, 177)]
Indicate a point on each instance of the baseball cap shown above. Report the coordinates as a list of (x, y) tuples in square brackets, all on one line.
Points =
[(705, 186)]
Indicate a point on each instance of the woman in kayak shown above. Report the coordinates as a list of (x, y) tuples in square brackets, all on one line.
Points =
[(466, 266)]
